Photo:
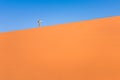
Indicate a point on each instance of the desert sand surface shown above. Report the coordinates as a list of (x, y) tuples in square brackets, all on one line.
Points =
[(86, 50)]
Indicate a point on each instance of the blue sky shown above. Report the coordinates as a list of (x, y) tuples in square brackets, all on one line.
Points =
[(23, 14)]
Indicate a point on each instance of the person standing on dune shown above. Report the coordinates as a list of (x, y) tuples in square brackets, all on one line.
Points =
[(39, 23)]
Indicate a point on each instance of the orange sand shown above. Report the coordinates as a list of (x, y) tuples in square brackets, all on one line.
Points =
[(87, 50)]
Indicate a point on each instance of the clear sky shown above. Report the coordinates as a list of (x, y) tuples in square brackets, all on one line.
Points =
[(23, 14)]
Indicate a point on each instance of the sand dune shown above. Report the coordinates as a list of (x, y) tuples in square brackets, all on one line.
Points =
[(87, 50)]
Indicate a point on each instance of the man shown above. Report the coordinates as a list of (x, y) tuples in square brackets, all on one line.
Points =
[(39, 23)]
